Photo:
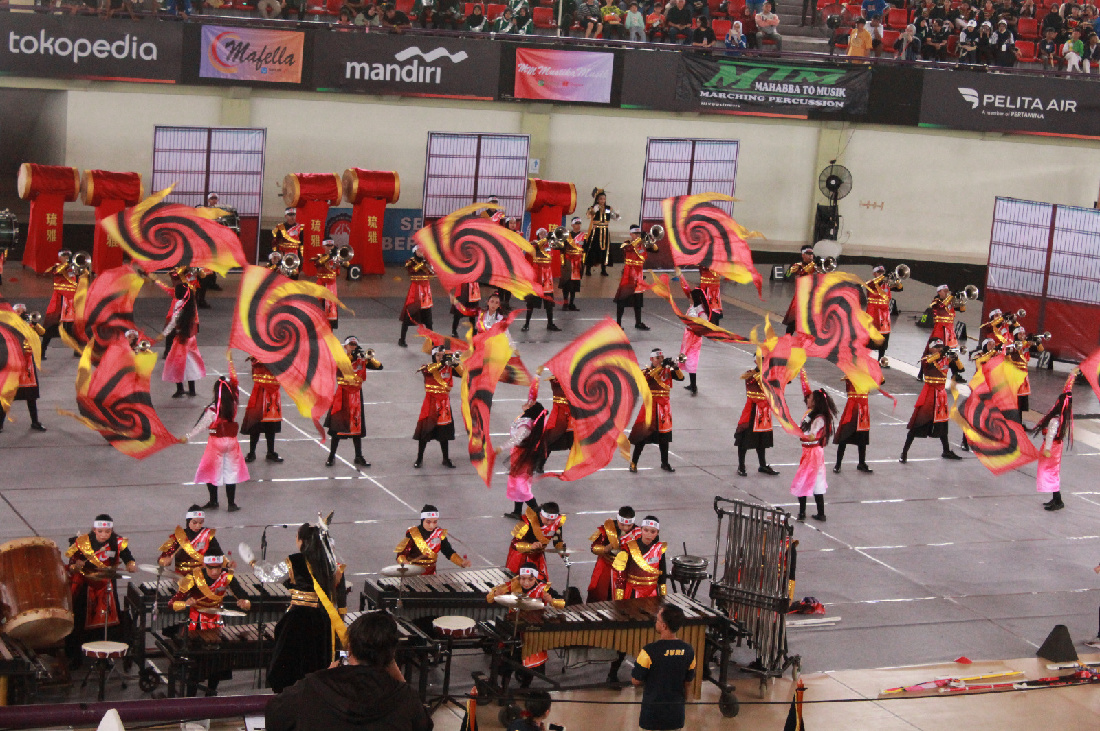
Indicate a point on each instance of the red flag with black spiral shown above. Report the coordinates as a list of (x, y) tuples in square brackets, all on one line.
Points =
[(702, 234), (484, 364)]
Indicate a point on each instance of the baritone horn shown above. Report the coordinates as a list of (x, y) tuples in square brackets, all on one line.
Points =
[(144, 346), (656, 233), (81, 261), (290, 263), (345, 254), (274, 257), (559, 233), (828, 264), (34, 318), (901, 271)]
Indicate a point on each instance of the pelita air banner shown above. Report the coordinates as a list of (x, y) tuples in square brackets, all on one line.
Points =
[(734, 85)]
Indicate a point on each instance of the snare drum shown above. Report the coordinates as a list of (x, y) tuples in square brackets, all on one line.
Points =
[(455, 626), (103, 650), (687, 568)]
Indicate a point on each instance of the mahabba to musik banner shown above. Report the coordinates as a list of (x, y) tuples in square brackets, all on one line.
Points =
[(377, 63), (81, 47), (732, 85), (1007, 103), (251, 54)]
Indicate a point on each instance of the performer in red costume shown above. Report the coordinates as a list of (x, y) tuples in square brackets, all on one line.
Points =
[(854, 427), (222, 462), (264, 413), (754, 428), (544, 276), (423, 543), (880, 289), (436, 420), (607, 542), (345, 418), (533, 534), (655, 424), (417, 309), (632, 283), (931, 413), (572, 269), (805, 268)]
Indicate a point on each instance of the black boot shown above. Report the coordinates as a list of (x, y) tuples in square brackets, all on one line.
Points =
[(638, 324), (253, 440), (230, 497), (820, 515), (420, 453), (180, 393), (446, 449), (692, 386), (32, 410), (212, 503), (191, 388), (527, 321), (839, 457), (358, 442), (517, 511), (332, 452), (802, 509), (1056, 502)]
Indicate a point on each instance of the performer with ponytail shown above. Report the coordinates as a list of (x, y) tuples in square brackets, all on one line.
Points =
[(691, 344), (418, 302), (436, 421), (559, 425), (1056, 428), (222, 462), (817, 427), (655, 424), (345, 418), (854, 427), (183, 362), (304, 637), (526, 447)]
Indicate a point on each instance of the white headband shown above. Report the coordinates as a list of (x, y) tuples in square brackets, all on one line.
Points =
[(429, 515), (196, 515), (651, 524), (942, 288), (103, 524), (549, 516), (533, 573), (628, 521), (212, 560)]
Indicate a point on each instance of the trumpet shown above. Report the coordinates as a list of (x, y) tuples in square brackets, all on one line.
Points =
[(828, 264), (656, 233), (370, 353), (901, 271), (969, 292), (34, 318), (144, 346), (290, 264), (81, 261), (559, 233), (344, 254), (1038, 337), (1017, 315)]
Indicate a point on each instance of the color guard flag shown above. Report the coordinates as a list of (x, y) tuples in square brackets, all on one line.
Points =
[(999, 442), (702, 234), (697, 325), (16, 363), (484, 364)]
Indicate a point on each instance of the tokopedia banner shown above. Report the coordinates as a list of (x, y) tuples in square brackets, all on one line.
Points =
[(82, 47), (1006, 103), (707, 84), (405, 65)]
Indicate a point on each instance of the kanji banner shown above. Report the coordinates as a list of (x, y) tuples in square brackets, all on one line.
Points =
[(603, 384)]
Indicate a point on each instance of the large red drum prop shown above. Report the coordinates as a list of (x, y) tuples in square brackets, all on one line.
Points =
[(36, 605), (312, 194), (48, 188), (109, 192), (549, 202), (369, 191)]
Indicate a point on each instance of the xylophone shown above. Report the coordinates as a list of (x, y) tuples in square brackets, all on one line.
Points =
[(453, 592), (239, 647), (20, 669), (625, 626)]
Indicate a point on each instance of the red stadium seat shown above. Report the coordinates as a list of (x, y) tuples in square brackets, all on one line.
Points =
[(720, 28), (1027, 51), (953, 44), (897, 18), (888, 38), (854, 10), (405, 6), (494, 11), (470, 9), (1028, 29), (544, 18)]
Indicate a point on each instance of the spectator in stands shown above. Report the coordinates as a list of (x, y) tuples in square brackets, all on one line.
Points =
[(752, 7), (874, 27), (525, 23), (475, 21), (934, 46), (290, 7), (703, 36), (962, 15), (612, 18), (1072, 50), (504, 23), (985, 43), (1053, 19), (367, 693), (394, 19), (678, 23), (873, 8), (1047, 48), (1092, 54), (988, 13), (735, 40), (859, 40), (588, 17), (634, 22), (767, 24), (907, 46), (423, 11), (345, 19), (655, 24), (1004, 45), (968, 43), (938, 11), (536, 711), (1088, 21), (1028, 9), (700, 8)]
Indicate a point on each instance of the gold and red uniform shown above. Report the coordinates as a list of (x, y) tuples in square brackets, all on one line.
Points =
[(943, 321), (573, 259), (328, 270), (436, 420), (796, 272), (207, 595), (607, 536), (345, 418), (632, 282), (855, 423), (931, 412), (1018, 354), (421, 550), (656, 422), (558, 432), (640, 570), (190, 548), (264, 413), (711, 284), (287, 239), (418, 302), (541, 591), (997, 330), (879, 294), (540, 259), (530, 537), (95, 600), (65, 281), (754, 428)]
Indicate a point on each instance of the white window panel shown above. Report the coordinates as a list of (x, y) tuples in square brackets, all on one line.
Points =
[(676, 167), (1018, 246), (468, 168)]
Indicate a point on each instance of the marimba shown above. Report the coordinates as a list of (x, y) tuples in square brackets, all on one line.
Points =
[(453, 592), (21, 670)]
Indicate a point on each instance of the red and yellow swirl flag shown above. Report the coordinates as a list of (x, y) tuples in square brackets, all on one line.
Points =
[(15, 361), (484, 363), (281, 324), (159, 235), (1090, 367), (702, 234), (780, 359), (113, 399), (103, 309), (697, 325), (832, 323), (604, 385), (466, 247), (1000, 443)]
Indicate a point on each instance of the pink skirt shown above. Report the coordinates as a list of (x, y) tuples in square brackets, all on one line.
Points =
[(1049, 477), (690, 346), (810, 478), (519, 487), (222, 463), (184, 362)]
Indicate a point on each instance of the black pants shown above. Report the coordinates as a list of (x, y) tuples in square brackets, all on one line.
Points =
[(860, 448), (230, 493), (662, 444), (444, 447), (32, 409), (532, 304), (356, 442), (254, 439), (742, 450), (620, 309), (909, 442), (54, 331), (425, 319), (457, 319), (885, 344)]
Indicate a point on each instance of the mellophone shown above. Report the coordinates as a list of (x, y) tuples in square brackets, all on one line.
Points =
[(453, 592), (626, 626)]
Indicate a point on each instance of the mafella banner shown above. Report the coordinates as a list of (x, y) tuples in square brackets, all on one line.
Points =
[(724, 85), (251, 54), (1006, 103), (82, 47), (377, 63)]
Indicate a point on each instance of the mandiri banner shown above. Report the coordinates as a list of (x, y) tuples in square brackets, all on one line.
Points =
[(85, 47), (251, 54), (1006, 103), (731, 85), (564, 76)]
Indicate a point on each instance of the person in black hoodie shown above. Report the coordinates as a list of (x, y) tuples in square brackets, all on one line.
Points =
[(367, 694)]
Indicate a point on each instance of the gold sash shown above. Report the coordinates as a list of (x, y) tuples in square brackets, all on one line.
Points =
[(181, 539), (85, 545), (336, 622)]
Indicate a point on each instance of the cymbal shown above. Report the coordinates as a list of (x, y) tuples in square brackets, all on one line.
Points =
[(151, 568), (107, 574), (528, 604), (403, 569), (224, 612), (568, 552), (507, 600)]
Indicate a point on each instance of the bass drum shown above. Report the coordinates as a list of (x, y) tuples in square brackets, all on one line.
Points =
[(9, 235), (35, 604)]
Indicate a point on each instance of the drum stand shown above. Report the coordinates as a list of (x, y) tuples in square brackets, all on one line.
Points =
[(105, 666)]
